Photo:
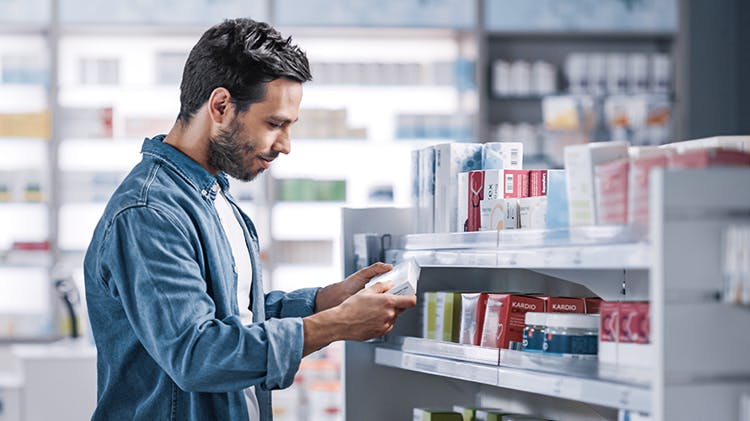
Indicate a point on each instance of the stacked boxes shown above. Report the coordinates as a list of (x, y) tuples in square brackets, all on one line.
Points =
[(450, 160), (625, 334)]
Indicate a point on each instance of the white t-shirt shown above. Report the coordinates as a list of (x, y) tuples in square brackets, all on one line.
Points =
[(243, 267)]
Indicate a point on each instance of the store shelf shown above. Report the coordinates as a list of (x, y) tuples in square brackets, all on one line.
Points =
[(99, 154), (590, 247), (306, 220), (591, 390)]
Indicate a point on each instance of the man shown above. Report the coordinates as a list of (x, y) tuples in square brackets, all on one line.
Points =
[(172, 248)]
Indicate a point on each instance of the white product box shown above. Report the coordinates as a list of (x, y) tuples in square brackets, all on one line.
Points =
[(426, 191), (414, 191), (450, 160), (463, 202), (729, 142), (580, 162), (404, 278), (499, 214), (502, 156), (557, 200), (532, 212)]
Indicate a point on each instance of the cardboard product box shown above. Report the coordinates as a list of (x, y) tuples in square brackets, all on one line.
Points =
[(516, 184), (448, 316), (635, 348), (532, 212), (499, 214), (491, 414), (593, 305), (710, 157), (611, 181), (426, 192), (609, 331), (638, 181), (557, 215), (473, 306), (474, 187), (450, 160), (422, 414), (430, 315), (31, 124), (504, 319), (563, 304), (502, 156), (729, 142), (470, 414), (580, 162), (537, 183)]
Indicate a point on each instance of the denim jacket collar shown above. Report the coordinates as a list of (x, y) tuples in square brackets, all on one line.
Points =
[(202, 180)]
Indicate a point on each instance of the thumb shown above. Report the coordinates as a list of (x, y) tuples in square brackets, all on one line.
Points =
[(379, 287)]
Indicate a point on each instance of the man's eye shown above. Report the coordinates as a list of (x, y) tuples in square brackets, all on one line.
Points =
[(275, 125)]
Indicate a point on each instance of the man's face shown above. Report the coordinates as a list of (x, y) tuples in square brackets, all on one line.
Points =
[(255, 137)]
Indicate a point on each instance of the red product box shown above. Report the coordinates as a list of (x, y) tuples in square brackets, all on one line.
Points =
[(505, 319), (609, 321), (635, 326), (702, 158), (638, 186), (611, 183), (593, 305), (564, 304), (516, 184), (537, 183)]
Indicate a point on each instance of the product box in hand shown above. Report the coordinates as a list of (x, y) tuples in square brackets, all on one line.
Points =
[(474, 187), (532, 212), (404, 277), (638, 181), (516, 184), (557, 215), (426, 191), (563, 304), (611, 181), (580, 162), (609, 331), (499, 214), (502, 156), (634, 348), (537, 183), (473, 306), (709, 157), (450, 160), (421, 414), (504, 319)]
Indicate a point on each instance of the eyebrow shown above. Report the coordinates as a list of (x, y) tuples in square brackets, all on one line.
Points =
[(283, 119)]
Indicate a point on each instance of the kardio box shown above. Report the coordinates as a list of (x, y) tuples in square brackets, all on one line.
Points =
[(593, 305), (563, 304), (504, 319)]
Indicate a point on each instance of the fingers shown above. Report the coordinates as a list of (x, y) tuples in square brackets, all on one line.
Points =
[(374, 270), (402, 302), (380, 287)]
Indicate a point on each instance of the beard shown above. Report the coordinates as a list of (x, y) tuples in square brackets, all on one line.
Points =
[(227, 153)]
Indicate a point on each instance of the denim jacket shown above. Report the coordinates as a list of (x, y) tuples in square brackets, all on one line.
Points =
[(161, 295)]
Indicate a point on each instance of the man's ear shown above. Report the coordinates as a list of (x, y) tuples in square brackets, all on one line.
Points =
[(220, 106)]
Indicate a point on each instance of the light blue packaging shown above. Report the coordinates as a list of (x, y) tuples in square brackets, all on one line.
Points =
[(414, 191), (502, 156), (557, 200), (426, 191), (450, 160)]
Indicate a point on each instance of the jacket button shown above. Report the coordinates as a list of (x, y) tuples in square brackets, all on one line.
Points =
[(204, 192)]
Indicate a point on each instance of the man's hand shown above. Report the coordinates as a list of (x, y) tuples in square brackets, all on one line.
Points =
[(365, 315), (335, 294)]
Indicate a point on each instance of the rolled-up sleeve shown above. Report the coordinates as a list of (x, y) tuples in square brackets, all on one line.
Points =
[(299, 303), (164, 294)]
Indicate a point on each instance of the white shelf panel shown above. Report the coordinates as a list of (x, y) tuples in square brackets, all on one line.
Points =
[(533, 249), (590, 390)]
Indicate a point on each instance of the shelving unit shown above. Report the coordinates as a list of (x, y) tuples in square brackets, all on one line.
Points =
[(677, 268)]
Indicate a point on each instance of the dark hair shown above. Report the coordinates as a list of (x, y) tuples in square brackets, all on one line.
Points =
[(241, 55)]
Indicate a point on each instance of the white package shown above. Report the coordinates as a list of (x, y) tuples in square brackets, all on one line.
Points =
[(404, 278), (499, 214), (450, 160)]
